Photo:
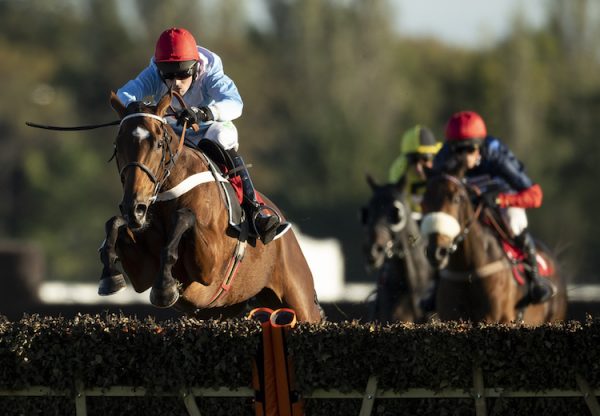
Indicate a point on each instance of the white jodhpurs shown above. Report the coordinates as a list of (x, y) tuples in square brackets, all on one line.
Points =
[(223, 132), (516, 219)]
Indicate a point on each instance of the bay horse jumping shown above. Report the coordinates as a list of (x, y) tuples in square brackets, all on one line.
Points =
[(395, 252), (182, 246), (476, 278)]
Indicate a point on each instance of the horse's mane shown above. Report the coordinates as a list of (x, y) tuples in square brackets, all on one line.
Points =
[(455, 165)]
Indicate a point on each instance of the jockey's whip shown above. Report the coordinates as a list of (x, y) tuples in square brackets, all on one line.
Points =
[(74, 128)]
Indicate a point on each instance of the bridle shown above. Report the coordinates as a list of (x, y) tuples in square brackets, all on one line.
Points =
[(469, 223), (485, 270), (166, 165), (393, 247)]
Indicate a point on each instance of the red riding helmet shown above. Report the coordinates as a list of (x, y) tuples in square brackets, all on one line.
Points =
[(176, 45), (465, 125)]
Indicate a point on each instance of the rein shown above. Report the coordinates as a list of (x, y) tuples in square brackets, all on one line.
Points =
[(465, 230), (483, 271), (394, 247), (165, 144)]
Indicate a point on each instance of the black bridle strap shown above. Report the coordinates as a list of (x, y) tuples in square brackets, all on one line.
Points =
[(142, 167), (74, 128), (172, 156), (465, 230)]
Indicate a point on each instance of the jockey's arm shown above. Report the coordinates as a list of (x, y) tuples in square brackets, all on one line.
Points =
[(527, 194), (146, 84), (528, 198), (228, 103)]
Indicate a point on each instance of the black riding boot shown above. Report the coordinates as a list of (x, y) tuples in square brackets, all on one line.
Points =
[(267, 223), (540, 289)]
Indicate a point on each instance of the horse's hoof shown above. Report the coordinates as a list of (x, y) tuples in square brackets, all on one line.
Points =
[(110, 285), (164, 298)]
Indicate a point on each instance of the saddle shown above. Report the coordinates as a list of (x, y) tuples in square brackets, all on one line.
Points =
[(221, 164), (500, 229)]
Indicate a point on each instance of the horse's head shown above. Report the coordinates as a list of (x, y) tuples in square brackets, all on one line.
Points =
[(448, 214), (384, 218), (144, 151)]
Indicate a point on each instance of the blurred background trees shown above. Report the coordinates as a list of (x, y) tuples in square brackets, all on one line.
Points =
[(329, 87)]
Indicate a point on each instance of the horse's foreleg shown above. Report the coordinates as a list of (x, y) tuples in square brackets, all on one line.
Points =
[(165, 291), (300, 295), (112, 279), (298, 288)]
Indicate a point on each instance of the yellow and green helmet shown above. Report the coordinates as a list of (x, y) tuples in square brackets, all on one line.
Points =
[(416, 141), (420, 140)]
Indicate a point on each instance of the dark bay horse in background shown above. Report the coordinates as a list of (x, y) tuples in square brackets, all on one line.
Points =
[(395, 251), (476, 278), (182, 248)]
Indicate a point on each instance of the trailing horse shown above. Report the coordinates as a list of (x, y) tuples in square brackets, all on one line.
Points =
[(477, 280), (175, 235), (395, 251)]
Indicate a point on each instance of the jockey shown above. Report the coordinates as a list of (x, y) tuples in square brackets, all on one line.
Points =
[(214, 101), (487, 156), (418, 146)]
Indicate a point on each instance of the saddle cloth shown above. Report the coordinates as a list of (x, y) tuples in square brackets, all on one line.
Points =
[(517, 257), (221, 164)]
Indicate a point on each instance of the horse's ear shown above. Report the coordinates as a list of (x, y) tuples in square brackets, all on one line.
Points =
[(117, 105), (456, 165), (371, 181), (163, 105)]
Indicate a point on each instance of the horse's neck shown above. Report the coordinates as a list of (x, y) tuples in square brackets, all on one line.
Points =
[(189, 161), (414, 242), (478, 249), (415, 263)]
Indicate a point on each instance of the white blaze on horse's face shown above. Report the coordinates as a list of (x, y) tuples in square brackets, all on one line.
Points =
[(440, 223), (140, 133)]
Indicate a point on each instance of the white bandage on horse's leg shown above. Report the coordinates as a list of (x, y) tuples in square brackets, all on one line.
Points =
[(223, 132), (440, 223)]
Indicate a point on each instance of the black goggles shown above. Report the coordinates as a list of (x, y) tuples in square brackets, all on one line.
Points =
[(465, 148), (414, 158), (180, 74)]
